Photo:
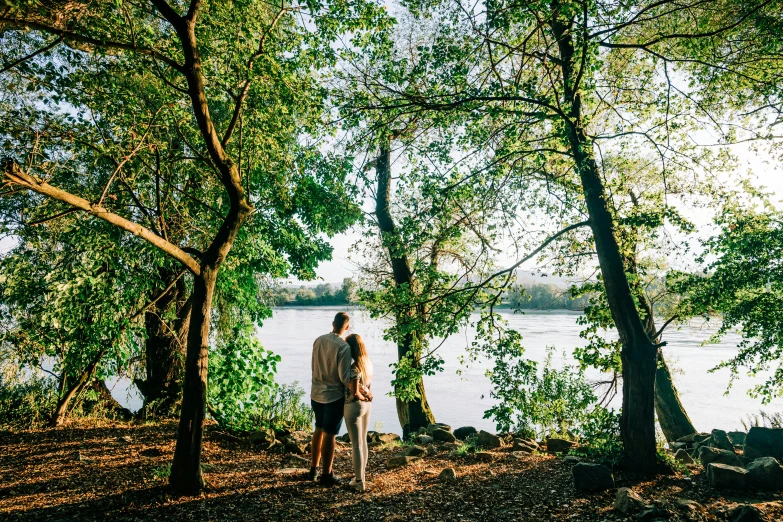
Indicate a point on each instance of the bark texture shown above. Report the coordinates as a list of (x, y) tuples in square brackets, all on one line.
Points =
[(164, 350), (413, 414), (638, 353)]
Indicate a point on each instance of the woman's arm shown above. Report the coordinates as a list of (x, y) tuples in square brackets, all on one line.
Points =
[(353, 386)]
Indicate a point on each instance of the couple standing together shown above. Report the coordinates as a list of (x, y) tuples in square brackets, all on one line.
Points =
[(342, 376)]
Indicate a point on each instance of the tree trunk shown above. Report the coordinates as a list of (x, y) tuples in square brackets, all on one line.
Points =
[(672, 418), (186, 476), (638, 353), (164, 351), (416, 413), (73, 389)]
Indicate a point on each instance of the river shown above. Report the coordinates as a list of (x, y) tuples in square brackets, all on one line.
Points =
[(461, 400)]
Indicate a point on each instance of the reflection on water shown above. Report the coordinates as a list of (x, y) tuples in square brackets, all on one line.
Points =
[(461, 400)]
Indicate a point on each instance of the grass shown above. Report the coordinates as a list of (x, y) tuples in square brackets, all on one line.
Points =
[(161, 472)]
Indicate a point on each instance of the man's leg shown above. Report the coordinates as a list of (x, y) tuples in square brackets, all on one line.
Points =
[(315, 447), (327, 453)]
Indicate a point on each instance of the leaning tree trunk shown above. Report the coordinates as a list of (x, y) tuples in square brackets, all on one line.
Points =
[(638, 353), (164, 351), (416, 413), (73, 389), (673, 419)]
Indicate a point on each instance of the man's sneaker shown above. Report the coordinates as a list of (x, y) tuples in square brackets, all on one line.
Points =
[(329, 480), (312, 474)]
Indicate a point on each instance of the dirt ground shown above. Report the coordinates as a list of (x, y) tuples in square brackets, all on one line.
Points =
[(118, 472)]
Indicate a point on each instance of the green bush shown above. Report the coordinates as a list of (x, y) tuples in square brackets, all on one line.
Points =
[(599, 436), (243, 395), (26, 402)]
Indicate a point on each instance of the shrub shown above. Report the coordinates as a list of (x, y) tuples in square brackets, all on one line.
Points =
[(599, 436), (27, 399)]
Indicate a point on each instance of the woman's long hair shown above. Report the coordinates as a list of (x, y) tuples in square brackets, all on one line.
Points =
[(359, 354)]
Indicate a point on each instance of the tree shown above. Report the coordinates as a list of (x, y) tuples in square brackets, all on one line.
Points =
[(742, 288), (561, 79), (178, 51)]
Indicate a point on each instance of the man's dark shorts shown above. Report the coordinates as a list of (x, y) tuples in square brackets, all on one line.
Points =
[(328, 417)]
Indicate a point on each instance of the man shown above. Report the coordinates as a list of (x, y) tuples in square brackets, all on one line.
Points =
[(331, 373)]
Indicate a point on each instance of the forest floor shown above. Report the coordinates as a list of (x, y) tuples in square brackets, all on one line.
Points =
[(118, 472)]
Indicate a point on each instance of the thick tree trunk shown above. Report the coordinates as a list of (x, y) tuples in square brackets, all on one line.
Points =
[(164, 352), (413, 414), (186, 475), (416, 413), (638, 353)]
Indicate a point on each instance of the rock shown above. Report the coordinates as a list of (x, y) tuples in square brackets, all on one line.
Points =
[(151, 452), (745, 513), (572, 459), (764, 442), (652, 514), (709, 455), (415, 451), (723, 476), (292, 471), (527, 445), (720, 440), (373, 436), (674, 446), (627, 501), (486, 439), (555, 445), (438, 426), (423, 439), (344, 438), (683, 457), (694, 437), (592, 477), (295, 461), (464, 432), (431, 450), (281, 433), (263, 439), (737, 437), (421, 431), (690, 506), (400, 461), (389, 437), (485, 456), (442, 435), (451, 446), (297, 442), (765, 473), (447, 475)]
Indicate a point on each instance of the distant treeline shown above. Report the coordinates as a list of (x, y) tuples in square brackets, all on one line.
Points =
[(528, 296), (325, 294)]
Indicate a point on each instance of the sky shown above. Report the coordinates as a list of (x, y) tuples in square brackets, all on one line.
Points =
[(765, 172)]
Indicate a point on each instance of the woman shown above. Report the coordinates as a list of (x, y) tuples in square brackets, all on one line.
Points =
[(358, 399)]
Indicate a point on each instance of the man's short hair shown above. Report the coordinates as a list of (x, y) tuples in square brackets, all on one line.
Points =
[(340, 319)]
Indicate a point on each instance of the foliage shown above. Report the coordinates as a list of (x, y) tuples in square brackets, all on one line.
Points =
[(599, 436), (744, 284), (26, 401), (242, 379), (533, 402), (763, 419), (321, 295)]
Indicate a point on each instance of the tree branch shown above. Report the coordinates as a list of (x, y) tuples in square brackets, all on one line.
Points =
[(31, 55), (14, 175)]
